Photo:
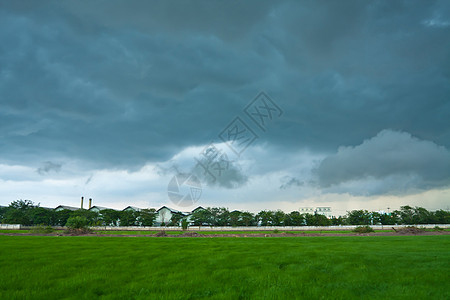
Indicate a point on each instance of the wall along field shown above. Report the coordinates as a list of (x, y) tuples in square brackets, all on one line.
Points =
[(394, 267)]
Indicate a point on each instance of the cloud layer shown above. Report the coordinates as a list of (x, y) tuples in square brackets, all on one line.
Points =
[(91, 88), (138, 82), (390, 162)]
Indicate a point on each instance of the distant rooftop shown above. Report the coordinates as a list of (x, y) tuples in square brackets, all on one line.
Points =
[(100, 208), (62, 207), (132, 208), (173, 210)]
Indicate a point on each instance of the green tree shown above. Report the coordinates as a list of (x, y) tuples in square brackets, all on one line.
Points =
[(175, 219), (147, 217), (247, 219), (22, 204), (19, 212), (423, 216), (109, 217), (184, 224), (42, 216), (128, 218), (337, 221), (376, 217), (359, 217), (3, 210), (316, 220), (442, 216), (388, 219), (16, 216), (265, 217), (202, 217), (296, 219), (406, 214), (278, 218), (62, 216), (92, 217), (77, 222), (220, 216), (321, 220), (235, 218), (310, 220)]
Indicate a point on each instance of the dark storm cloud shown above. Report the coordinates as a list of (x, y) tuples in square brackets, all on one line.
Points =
[(219, 173), (122, 84), (49, 166), (398, 158), (288, 182)]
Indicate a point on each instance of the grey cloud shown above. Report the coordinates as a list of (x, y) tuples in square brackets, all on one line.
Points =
[(48, 167), (288, 182), (210, 164), (227, 20), (96, 91), (232, 178), (168, 168), (139, 82), (215, 168), (390, 162), (89, 180)]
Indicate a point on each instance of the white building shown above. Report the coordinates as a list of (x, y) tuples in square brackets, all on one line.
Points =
[(97, 208), (324, 210), (164, 215), (132, 208), (306, 210), (321, 210), (63, 207)]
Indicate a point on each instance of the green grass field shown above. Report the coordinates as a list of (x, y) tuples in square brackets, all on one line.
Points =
[(393, 267)]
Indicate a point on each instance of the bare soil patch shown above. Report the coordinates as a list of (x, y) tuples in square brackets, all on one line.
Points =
[(410, 230)]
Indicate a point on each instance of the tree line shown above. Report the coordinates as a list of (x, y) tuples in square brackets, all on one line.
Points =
[(214, 216), (25, 212)]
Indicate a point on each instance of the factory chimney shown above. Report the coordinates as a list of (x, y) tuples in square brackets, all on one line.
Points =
[(82, 198), (90, 203)]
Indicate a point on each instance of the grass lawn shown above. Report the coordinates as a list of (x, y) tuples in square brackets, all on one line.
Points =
[(14, 231), (394, 267)]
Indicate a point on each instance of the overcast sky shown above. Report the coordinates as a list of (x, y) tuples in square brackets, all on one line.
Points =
[(306, 103)]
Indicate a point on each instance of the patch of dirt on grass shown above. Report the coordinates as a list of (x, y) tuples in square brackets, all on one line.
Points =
[(410, 230), (161, 233), (189, 234)]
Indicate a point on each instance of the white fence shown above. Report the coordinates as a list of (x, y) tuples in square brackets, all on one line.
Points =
[(10, 226)]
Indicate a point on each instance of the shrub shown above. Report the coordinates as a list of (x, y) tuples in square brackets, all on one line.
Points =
[(363, 229), (276, 231), (184, 224), (41, 228), (77, 225), (437, 228)]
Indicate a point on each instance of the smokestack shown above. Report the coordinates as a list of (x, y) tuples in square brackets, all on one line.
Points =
[(90, 203), (82, 198)]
